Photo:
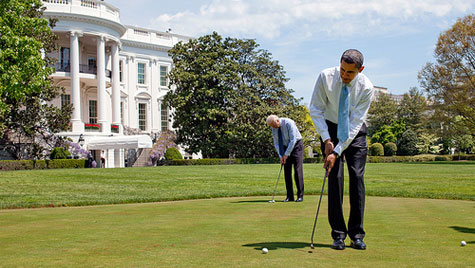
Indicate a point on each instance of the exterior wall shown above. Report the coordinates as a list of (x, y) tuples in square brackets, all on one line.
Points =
[(96, 25)]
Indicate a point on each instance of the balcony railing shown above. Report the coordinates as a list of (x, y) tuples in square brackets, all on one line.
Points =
[(83, 68), (95, 8)]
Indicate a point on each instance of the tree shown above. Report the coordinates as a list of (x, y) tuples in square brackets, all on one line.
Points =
[(450, 82), (28, 122), (412, 110), (383, 135), (224, 90), (383, 111), (407, 145)]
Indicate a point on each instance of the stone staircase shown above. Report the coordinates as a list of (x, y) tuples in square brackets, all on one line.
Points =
[(143, 158)]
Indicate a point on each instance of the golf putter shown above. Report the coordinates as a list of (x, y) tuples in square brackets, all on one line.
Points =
[(318, 209), (275, 188)]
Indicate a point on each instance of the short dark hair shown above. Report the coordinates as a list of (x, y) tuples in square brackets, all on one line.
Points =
[(353, 56)]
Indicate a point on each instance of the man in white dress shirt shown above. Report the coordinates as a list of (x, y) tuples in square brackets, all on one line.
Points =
[(339, 107)]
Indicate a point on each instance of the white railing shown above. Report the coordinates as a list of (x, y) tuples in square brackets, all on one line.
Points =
[(64, 2), (163, 36), (88, 7), (140, 32), (88, 3)]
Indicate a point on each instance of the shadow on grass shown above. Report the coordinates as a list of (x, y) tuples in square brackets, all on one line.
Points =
[(278, 245), (252, 201), (461, 229)]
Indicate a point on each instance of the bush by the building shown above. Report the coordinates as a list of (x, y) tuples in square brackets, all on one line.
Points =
[(172, 153), (376, 149), (390, 149), (59, 153)]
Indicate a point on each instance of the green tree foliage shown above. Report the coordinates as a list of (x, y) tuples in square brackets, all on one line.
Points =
[(59, 153), (427, 144), (376, 149), (224, 90), (412, 109), (450, 82), (172, 153), (383, 111), (27, 120), (407, 145), (390, 149), (383, 135)]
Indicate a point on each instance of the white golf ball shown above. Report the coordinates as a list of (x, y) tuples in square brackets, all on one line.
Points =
[(463, 243), (264, 250)]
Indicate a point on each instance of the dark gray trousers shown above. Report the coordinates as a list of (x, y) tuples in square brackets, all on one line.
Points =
[(355, 157), (296, 159)]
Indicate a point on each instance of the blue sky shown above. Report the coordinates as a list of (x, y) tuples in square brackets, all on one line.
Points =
[(397, 37)]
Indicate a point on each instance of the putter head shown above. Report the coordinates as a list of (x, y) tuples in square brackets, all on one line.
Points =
[(272, 201), (311, 245)]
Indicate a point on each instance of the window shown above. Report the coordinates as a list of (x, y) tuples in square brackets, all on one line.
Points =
[(92, 111), (164, 118), (65, 100), (120, 70), (64, 59), (163, 76), (142, 116), (92, 63), (141, 73)]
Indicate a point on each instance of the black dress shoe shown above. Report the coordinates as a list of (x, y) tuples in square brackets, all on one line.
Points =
[(338, 244), (288, 200), (300, 199), (358, 244)]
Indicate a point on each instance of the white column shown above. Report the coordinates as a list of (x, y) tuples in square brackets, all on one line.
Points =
[(116, 87), (101, 86), (77, 124)]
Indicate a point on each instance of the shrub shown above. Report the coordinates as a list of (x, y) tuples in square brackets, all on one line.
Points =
[(376, 149), (67, 163), (59, 153), (442, 158), (390, 149), (16, 164), (407, 145), (172, 153)]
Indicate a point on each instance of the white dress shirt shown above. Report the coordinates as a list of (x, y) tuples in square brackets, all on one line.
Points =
[(326, 98)]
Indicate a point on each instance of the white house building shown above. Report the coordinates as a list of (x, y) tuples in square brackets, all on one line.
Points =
[(114, 75)]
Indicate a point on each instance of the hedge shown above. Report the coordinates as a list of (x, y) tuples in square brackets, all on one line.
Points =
[(370, 159), (41, 164)]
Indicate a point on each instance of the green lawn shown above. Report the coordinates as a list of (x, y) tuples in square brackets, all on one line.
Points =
[(230, 232), (78, 187)]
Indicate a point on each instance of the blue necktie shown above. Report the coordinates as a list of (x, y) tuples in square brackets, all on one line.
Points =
[(343, 115), (281, 142)]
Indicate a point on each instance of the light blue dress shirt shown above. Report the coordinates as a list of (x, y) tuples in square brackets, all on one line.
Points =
[(290, 135)]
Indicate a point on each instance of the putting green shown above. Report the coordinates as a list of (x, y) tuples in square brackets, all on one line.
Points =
[(230, 232)]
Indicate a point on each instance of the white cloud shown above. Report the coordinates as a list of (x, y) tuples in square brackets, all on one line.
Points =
[(270, 18)]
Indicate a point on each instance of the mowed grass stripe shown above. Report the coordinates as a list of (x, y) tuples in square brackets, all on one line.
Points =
[(231, 232), (79, 187)]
